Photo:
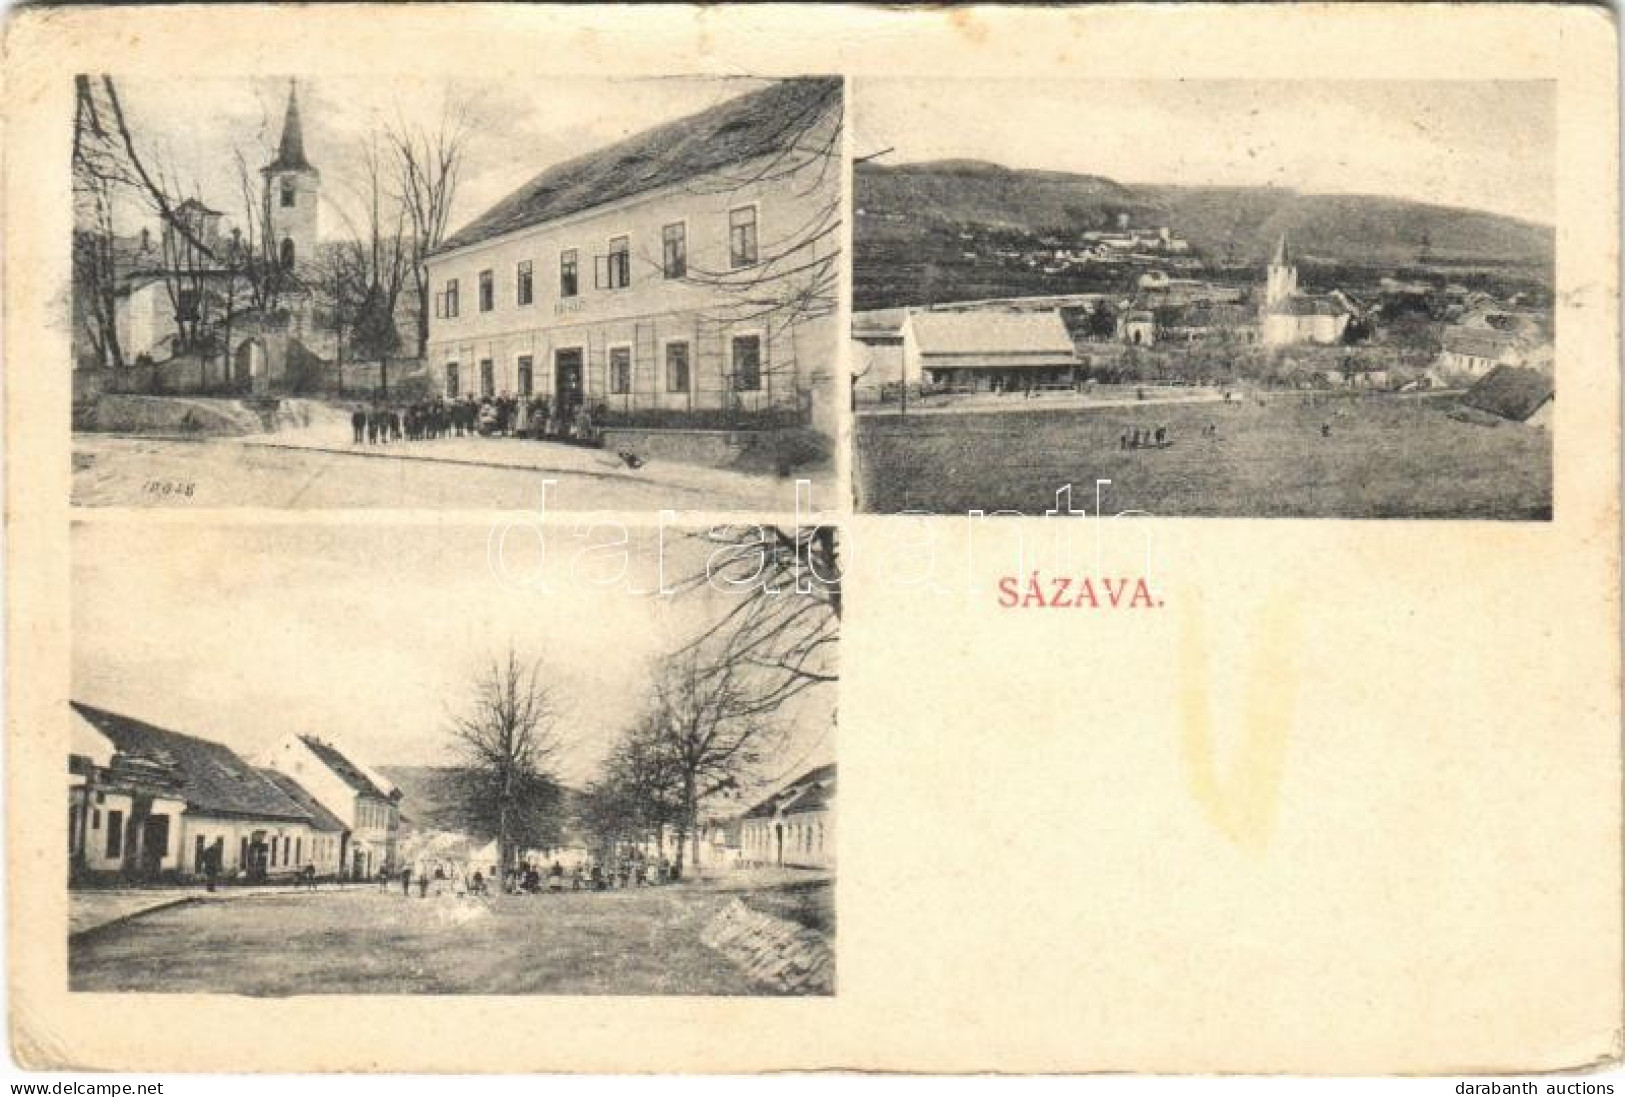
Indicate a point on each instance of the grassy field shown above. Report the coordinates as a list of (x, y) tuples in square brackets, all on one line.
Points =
[(369, 942), (1386, 457)]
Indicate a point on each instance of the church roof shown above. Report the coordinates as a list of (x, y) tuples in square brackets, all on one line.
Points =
[(759, 124), (290, 154), (1282, 256), (1307, 304)]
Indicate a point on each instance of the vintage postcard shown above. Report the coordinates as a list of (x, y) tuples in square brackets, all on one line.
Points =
[(474, 472), (342, 292)]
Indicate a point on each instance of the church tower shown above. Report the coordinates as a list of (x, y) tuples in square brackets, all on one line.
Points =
[(292, 187), (1281, 280)]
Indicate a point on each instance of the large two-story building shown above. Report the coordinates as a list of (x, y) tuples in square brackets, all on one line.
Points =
[(364, 801), (690, 268)]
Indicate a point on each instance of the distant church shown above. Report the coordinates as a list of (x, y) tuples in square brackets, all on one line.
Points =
[(1290, 317)]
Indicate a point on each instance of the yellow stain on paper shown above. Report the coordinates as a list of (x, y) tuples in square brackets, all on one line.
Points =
[(1242, 801)]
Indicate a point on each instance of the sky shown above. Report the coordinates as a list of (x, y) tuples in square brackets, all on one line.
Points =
[(1477, 144), (369, 635), (193, 129)]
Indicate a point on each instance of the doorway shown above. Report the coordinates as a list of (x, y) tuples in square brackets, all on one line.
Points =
[(567, 369), (154, 845)]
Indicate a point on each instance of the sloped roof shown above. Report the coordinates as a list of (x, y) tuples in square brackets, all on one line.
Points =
[(791, 791), (214, 780), (812, 798), (740, 129), (1512, 392), (350, 773), (320, 818), (1478, 342), (977, 333), (1308, 304), (878, 323)]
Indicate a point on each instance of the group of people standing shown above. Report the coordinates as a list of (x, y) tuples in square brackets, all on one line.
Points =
[(630, 871), (1142, 437), (495, 416)]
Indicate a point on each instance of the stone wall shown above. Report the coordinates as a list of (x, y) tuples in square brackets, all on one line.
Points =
[(780, 955)]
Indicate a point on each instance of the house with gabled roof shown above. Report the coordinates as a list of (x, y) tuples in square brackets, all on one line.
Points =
[(364, 801), (795, 826), (687, 269), (149, 803)]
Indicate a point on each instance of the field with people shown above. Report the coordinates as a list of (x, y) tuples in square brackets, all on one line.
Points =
[(638, 941), (1278, 455)]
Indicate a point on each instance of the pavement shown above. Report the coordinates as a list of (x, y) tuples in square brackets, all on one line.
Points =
[(311, 467), (98, 908)]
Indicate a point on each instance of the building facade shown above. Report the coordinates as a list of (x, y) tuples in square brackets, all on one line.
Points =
[(987, 349), (366, 803), (794, 827), (687, 269), (146, 804)]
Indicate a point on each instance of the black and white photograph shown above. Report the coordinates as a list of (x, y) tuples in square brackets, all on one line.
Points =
[(341, 292), (501, 762), (1232, 298)]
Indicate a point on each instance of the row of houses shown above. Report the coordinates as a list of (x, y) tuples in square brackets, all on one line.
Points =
[(147, 803)]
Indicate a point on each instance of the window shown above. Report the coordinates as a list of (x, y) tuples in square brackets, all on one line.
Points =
[(96, 818), (242, 852), (451, 298), (271, 857), (616, 269), (286, 841), (742, 236), (115, 834), (620, 370), (453, 388), (523, 291), (747, 360), (676, 367), (569, 282), (526, 376), (488, 389), (299, 850), (287, 194), (487, 291), (287, 253), (674, 250), (440, 306)]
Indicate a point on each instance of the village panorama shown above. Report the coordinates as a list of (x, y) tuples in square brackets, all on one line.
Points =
[(341, 293), (1258, 314), (595, 793)]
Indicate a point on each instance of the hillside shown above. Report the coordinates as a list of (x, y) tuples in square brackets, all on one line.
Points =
[(1228, 223)]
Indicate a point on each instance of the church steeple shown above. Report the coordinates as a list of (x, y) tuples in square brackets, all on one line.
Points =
[(291, 152), (292, 192), (1281, 279)]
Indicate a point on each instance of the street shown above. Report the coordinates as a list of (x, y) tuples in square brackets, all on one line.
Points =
[(642, 941), (116, 470)]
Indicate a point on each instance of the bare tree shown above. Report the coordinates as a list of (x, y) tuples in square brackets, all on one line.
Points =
[(784, 620), (428, 161), (793, 276), (505, 738), (711, 730)]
